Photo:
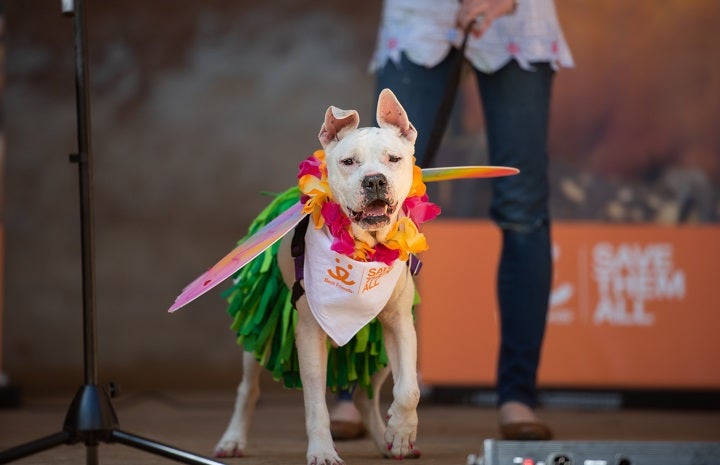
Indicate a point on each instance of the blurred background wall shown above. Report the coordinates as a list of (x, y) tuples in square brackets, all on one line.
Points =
[(199, 107)]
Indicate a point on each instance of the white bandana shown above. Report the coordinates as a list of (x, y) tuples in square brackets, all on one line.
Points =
[(344, 294)]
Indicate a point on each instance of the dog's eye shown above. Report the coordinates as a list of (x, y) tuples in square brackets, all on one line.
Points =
[(347, 161), (394, 158)]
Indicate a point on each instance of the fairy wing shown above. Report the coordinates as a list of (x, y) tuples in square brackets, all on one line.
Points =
[(241, 255), (256, 244), (449, 173)]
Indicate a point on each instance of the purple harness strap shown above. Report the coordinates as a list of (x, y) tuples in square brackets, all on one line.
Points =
[(297, 250)]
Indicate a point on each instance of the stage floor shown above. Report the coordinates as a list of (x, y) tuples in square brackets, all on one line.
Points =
[(194, 421)]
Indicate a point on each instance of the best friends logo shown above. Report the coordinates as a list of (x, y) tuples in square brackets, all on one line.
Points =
[(340, 277), (341, 274), (371, 276)]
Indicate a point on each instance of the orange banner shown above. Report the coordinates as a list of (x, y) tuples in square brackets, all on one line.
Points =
[(631, 306)]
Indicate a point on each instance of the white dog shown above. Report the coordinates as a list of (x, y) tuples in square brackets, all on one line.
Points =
[(370, 173)]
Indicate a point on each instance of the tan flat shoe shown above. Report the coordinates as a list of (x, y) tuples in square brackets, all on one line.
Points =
[(345, 430), (526, 431)]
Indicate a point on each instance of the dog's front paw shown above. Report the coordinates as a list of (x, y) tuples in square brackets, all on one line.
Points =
[(325, 461), (323, 456), (401, 433), (229, 447)]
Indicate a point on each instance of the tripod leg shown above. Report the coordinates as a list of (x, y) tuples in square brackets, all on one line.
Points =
[(160, 449), (91, 454), (34, 447)]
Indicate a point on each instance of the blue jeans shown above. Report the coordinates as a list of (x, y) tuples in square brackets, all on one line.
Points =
[(516, 105)]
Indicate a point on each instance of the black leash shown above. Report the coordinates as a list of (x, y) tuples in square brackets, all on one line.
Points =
[(446, 105)]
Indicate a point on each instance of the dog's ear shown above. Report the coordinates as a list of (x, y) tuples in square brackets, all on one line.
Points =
[(337, 122), (390, 114)]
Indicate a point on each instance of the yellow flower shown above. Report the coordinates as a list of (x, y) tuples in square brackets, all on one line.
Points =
[(313, 207), (405, 238), (362, 250), (317, 189)]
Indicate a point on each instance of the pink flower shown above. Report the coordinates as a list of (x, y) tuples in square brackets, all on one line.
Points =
[(311, 166), (419, 210), (513, 48), (384, 254), (334, 218), (392, 43), (343, 243), (339, 226)]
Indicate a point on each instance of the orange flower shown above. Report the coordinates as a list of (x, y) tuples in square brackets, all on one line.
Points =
[(418, 186)]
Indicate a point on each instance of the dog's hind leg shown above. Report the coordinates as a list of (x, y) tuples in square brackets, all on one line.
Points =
[(370, 409), (234, 441)]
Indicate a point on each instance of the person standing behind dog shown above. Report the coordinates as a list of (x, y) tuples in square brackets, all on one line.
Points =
[(515, 48)]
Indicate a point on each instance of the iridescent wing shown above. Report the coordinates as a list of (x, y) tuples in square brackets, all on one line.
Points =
[(241, 255), (266, 236), (466, 172)]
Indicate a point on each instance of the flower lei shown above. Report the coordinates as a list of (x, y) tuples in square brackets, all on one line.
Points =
[(402, 240)]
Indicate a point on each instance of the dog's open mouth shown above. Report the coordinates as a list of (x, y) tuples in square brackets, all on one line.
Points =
[(376, 213)]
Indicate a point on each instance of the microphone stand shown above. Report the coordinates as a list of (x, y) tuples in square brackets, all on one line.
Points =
[(91, 418)]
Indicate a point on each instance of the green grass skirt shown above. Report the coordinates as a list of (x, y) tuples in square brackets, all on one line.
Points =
[(264, 319)]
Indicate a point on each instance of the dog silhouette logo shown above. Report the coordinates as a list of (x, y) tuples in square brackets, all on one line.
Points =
[(341, 274)]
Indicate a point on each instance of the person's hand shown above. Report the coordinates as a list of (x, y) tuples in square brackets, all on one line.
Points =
[(483, 13)]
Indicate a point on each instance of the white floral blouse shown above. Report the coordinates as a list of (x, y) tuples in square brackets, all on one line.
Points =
[(425, 30)]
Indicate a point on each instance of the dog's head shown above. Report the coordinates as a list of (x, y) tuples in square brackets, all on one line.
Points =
[(370, 170)]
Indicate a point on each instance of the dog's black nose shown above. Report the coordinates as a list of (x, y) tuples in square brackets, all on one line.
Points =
[(375, 183)]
